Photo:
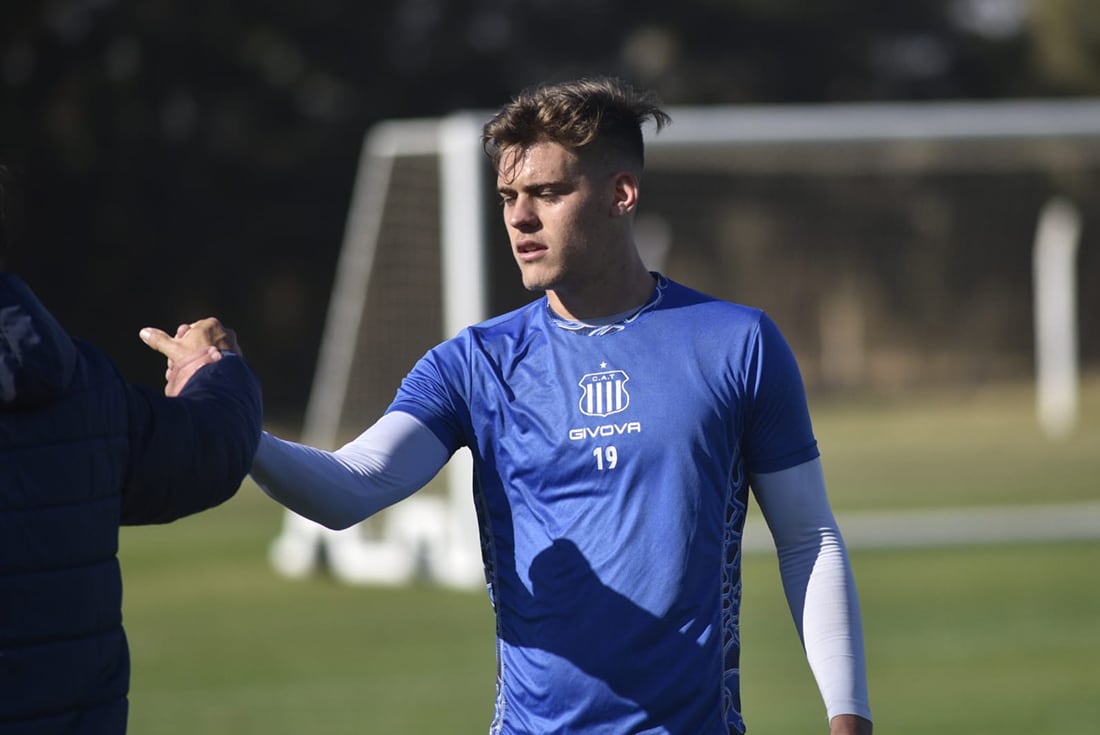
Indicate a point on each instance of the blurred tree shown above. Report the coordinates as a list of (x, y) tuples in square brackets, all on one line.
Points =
[(185, 157), (1067, 43)]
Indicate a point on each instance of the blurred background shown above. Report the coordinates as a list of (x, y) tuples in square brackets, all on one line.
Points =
[(186, 158), (180, 159)]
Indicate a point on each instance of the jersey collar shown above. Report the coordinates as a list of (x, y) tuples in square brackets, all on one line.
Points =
[(613, 323)]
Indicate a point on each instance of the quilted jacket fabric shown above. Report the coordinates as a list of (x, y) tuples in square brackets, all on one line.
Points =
[(81, 453)]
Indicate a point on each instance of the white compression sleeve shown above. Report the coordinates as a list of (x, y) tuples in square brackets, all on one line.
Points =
[(386, 463), (818, 582)]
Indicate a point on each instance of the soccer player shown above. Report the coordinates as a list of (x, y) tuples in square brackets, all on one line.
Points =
[(617, 426)]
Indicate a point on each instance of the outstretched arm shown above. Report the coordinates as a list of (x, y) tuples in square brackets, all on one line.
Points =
[(388, 462), (191, 449), (820, 589)]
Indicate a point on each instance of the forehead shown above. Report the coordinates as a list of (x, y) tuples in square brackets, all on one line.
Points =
[(542, 162)]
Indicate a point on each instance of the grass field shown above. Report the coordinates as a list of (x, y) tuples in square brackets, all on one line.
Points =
[(967, 640)]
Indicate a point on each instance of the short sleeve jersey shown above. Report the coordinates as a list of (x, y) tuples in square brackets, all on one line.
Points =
[(610, 470)]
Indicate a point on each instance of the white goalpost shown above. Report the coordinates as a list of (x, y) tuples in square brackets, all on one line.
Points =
[(1055, 294), (433, 533), (414, 269)]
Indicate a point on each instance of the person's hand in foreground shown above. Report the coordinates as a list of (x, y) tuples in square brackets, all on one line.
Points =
[(195, 345)]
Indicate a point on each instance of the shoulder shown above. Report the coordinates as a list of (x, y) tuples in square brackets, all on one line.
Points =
[(702, 309), (495, 333), (512, 322)]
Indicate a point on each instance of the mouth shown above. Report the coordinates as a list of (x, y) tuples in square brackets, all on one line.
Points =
[(527, 250)]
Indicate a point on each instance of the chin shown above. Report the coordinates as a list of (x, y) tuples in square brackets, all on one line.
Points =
[(534, 281), (536, 286)]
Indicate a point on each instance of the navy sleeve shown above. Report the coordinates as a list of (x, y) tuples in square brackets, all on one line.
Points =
[(191, 452)]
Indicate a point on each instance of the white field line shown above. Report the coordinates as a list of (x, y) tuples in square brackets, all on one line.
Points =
[(953, 526)]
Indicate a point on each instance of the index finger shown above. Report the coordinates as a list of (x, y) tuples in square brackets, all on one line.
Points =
[(162, 343)]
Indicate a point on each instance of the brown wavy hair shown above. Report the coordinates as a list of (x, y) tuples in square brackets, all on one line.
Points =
[(578, 115)]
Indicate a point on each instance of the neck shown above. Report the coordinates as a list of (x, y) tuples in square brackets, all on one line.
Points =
[(604, 296)]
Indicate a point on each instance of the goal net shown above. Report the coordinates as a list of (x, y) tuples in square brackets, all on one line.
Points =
[(894, 244)]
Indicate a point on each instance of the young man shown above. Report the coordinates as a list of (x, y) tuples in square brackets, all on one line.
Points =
[(616, 427), (83, 453)]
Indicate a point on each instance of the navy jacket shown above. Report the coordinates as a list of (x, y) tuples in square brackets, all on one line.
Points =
[(82, 452)]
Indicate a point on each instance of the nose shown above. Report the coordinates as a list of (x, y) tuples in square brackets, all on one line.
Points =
[(521, 214)]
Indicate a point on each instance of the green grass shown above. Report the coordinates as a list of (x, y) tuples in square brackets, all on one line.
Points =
[(967, 640), (221, 644), (971, 448), (973, 641)]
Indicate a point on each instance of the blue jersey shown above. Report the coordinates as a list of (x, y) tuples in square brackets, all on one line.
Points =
[(610, 470)]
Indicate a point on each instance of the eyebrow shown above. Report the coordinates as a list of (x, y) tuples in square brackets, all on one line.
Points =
[(534, 186)]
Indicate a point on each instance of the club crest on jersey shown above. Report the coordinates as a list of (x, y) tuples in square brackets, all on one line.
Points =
[(603, 394)]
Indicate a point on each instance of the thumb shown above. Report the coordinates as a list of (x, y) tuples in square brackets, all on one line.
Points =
[(160, 341)]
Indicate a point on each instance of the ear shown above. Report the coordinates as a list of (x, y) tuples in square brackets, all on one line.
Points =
[(626, 194)]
